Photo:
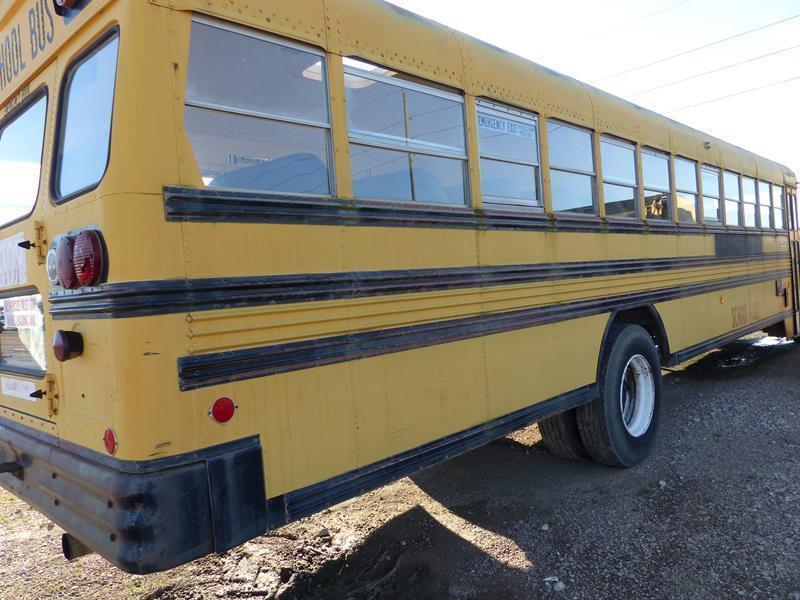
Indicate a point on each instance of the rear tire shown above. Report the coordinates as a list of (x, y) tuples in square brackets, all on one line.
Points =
[(561, 436), (619, 427)]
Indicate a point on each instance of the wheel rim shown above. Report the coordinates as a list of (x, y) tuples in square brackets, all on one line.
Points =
[(637, 396)]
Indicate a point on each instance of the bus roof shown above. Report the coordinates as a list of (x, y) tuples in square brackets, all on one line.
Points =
[(396, 38)]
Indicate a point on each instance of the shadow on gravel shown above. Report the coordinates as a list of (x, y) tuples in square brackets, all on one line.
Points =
[(739, 358), (397, 561)]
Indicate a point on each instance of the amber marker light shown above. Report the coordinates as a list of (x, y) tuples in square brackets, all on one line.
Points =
[(222, 410)]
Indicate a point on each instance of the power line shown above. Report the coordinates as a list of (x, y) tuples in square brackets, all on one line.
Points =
[(742, 93), (717, 70), (690, 51), (638, 19)]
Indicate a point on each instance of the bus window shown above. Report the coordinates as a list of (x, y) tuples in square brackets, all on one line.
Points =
[(571, 168), (749, 201), (509, 149), (22, 336), (777, 207), (764, 204), (85, 132), (263, 125), (655, 169), (407, 139), (686, 187), (619, 177), (711, 195), (21, 141), (730, 185)]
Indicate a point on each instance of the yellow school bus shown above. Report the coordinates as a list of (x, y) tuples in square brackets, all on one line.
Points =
[(259, 257)]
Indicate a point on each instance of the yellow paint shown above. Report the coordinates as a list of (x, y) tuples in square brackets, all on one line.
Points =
[(321, 422)]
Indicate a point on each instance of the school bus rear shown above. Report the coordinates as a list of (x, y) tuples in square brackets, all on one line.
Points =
[(87, 439)]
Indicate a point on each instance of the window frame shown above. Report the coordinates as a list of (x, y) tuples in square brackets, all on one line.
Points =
[(637, 175), (670, 191), (725, 199), (490, 106), (561, 214), (781, 206), (698, 197), (371, 140), (277, 40), (745, 203), (40, 92), (721, 221), (768, 205), (72, 67)]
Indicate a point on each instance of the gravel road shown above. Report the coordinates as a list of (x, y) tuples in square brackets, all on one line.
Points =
[(714, 513)]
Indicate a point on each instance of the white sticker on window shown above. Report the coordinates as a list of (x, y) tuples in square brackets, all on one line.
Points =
[(505, 126), (17, 388), (13, 268)]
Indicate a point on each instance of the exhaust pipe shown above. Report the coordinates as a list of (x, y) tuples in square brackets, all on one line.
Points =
[(73, 548)]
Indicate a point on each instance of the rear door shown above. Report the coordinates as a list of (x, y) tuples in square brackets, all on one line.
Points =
[(24, 348)]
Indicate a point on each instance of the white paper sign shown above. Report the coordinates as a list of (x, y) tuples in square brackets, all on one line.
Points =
[(16, 388), (13, 268)]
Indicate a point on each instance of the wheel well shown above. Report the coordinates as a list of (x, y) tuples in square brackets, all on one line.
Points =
[(647, 317)]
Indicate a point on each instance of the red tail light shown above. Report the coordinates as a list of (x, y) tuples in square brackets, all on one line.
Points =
[(87, 257), (65, 267)]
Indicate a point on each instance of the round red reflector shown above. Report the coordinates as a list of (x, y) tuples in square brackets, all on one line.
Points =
[(110, 441), (222, 410), (87, 257), (65, 267)]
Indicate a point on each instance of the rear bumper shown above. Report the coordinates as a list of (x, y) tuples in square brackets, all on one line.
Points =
[(141, 516)]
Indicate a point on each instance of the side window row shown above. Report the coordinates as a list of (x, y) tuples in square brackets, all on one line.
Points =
[(266, 126)]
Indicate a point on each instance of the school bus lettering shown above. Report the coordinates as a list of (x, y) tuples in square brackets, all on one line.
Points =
[(42, 27)]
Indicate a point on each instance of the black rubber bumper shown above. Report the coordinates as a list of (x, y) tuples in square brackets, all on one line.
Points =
[(141, 516)]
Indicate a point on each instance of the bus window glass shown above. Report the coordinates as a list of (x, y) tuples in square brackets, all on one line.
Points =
[(571, 168), (509, 148), (86, 128), (730, 185), (619, 177), (268, 78), (686, 188), (711, 195), (21, 141), (777, 207), (764, 205), (749, 202), (408, 140), (22, 337), (655, 170), (263, 126)]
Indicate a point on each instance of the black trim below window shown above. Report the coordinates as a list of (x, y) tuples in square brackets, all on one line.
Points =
[(214, 206), (63, 107), (225, 367), (149, 298)]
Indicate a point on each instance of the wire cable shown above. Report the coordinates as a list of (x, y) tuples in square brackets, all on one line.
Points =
[(712, 71), (692, 50), (638, 19), (742, 93)]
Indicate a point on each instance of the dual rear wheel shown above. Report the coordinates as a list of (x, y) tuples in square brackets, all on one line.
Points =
[(618, 428)]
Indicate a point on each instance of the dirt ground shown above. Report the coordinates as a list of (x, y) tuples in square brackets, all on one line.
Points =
[(714, 513)]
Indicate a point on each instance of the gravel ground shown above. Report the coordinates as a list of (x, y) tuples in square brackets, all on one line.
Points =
[(714, 513)]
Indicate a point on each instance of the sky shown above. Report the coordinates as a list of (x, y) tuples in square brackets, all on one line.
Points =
[(594, 40)]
